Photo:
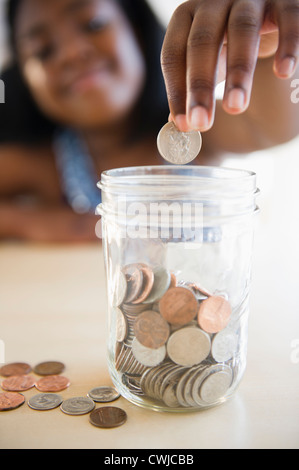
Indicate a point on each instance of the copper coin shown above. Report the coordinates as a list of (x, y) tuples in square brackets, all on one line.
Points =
[(178, 306), (214, 314), (148, 282), (11, 400), (173, 280), (108, 417), (18, 383), (49, 368), (134, 277), (15, 368), (52, 383), (151, 329)]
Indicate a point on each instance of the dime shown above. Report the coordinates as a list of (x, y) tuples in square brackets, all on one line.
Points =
[(162, 279), (188, 346), (151, 329), (15, 368), (121, 325), (224, 345), (52, 383), (45, 401), (120, 289), (214, 314), (18, 383), (178, 147), (49, 368), (108, 417), (103, 394), (77, 406), (148, 282), (147, 356), (178, 306), (134, 277), (11, 400)]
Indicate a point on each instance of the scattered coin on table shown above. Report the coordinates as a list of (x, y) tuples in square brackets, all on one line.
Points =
[(76, 406), (18, 383), (11, 400), (45, 401), (15, 368), (52, 383), (108, 417), (103, 394), (49, 368)]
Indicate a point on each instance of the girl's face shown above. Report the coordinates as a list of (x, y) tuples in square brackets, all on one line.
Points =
[(80, 59)]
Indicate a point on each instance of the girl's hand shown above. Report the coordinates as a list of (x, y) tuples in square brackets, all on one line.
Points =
[(208, 41)]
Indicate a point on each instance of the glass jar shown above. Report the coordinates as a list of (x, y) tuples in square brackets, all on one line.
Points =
[(177, 243)]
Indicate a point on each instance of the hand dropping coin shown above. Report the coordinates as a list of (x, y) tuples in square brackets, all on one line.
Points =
[(178, 147)]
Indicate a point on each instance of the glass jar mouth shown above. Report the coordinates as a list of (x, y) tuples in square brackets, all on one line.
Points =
[(201, 181)]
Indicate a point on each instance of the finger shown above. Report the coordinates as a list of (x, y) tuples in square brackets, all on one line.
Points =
[(243, 37), (287, 18), (203, 51), (173, 62)]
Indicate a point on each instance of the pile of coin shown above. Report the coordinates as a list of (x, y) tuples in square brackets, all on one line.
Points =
[(173, 340), (18, 379)]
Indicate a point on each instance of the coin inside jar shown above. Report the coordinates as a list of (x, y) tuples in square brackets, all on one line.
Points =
[(178, 306), (178, 147), (148, 282), (214, 314), (188, 346), (134, 277), (151, 329)]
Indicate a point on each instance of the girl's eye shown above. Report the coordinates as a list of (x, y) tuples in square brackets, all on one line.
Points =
[(95, 25), (44, 53)]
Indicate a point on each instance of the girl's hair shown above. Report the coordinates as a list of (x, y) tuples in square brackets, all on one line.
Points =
[(21, 121)]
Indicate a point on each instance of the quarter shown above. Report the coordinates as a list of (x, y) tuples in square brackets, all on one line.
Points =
[(77, 406), (45, 401), (178, 147), (188, 346), (103, 394)]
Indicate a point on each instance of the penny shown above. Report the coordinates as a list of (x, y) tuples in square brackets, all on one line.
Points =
[(120, 290), (45, 401), (162, 281), (178, 306), (103, 394), (148, 282), (52, 383), (49, 368), (108, 417), (121, 325), (134, 277), (76, 406), (173, 281), (188, 346), (178, 147), (147, 356), (18, 383), (224, 345), (214, 314), (15, 368), (11, 400), (151, 329)]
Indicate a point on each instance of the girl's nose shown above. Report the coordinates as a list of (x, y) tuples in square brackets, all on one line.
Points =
[(73, 47)]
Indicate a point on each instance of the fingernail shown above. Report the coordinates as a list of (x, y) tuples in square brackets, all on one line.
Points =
[(287, 67), (236, 98), (181, 122), (199, 118)]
